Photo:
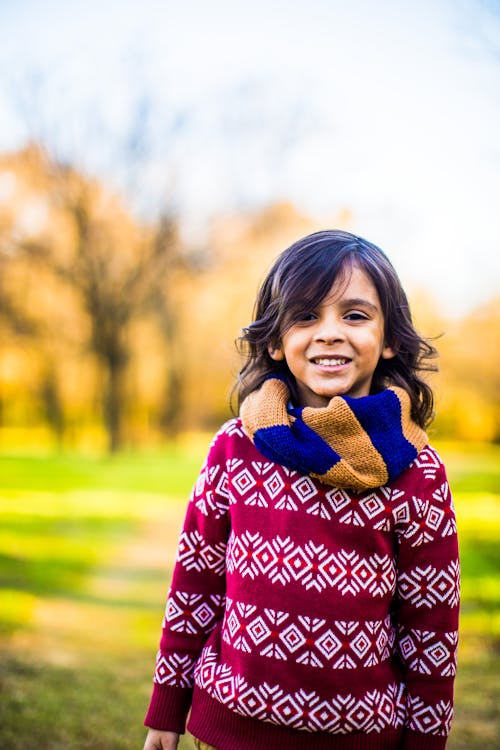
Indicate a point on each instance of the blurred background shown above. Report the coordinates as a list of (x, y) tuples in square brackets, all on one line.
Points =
[(155, 157)]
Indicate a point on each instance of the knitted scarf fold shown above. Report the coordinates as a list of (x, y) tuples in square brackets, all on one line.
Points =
[(357, 443)]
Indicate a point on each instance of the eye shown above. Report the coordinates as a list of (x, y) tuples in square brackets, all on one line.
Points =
[(305, 317), (355, 315)]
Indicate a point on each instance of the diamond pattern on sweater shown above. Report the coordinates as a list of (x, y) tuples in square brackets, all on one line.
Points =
[(313, 641), (174, 669), (428, 652), (193, 613), (211, 493), (429, 586), (262, 484), (313, 565), (442, 495), (373, 711), (194, 553), (427, 520), (429, 718)]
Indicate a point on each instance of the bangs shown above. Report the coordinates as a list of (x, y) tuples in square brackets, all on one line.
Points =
[(304, 288)]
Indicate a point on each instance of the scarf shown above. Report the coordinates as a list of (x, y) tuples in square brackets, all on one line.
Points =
[(357, 443)]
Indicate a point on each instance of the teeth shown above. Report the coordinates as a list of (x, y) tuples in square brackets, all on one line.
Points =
[(331, 362)]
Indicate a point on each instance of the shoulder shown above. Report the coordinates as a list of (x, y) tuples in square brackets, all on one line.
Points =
[(423, 508), (230, 430), (423, 483), (427, 467), (230, 439)]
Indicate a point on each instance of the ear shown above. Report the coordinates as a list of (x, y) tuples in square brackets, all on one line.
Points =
[(276, 353), (388, 352)]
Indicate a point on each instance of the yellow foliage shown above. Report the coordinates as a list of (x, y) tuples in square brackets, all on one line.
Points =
[(187, 360)]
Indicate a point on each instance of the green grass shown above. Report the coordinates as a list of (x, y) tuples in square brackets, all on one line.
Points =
[(85, 550)]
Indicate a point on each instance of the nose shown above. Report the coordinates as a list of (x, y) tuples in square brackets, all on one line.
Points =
[(329, 330)]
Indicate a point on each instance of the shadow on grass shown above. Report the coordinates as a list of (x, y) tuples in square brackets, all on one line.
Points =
[(85, 708), (101, 707), (61, 558), (68, 579), (476, 726), (89, 528)]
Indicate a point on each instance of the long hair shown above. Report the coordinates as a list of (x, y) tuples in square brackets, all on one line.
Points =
[(301, 278)]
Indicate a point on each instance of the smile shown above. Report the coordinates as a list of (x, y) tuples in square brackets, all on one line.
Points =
[(330, 362)]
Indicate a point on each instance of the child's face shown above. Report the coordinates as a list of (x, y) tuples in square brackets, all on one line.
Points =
[(335, 349)]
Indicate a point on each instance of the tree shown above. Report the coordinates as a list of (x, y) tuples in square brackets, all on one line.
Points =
[(116, 269)]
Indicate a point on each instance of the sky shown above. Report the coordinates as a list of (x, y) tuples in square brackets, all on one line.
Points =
[(390, 110)]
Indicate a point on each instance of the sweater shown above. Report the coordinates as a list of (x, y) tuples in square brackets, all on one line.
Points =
[(304, 616)]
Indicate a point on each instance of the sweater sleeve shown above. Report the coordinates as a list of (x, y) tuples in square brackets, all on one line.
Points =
[(196, 598), (427, 602)]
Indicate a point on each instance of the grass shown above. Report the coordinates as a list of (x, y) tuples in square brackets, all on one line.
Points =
[(85, 549)]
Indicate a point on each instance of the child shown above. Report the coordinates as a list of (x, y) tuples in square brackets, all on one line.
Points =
[(314, 602)]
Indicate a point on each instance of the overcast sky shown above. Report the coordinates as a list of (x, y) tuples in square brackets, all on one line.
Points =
[(389, 109)]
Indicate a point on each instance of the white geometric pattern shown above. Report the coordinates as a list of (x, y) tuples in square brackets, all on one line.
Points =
[(193, 613), (428, 718), (373, 507), (174, 669), (313, 565), (374, 711), (195, 554), (263, 484), (428, 461), (316, 642), (429, 652), (260, 483), (428, 586), (210, 493), (428, 517), (232, 427), (245, 480)]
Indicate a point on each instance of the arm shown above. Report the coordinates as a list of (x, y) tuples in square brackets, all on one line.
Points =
[(195, 602), (427, 603)]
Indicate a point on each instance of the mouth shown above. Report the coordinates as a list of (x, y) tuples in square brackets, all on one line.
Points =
[(330, 361)]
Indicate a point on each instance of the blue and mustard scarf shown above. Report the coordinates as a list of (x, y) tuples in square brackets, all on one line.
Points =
[(359, 443)]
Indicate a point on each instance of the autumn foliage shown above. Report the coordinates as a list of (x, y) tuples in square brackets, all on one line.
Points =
[(116, 332)]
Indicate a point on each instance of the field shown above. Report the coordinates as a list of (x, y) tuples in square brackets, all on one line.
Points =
[(86, 546)]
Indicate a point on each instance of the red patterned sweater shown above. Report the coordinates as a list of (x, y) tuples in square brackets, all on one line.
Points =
[(307, 616)]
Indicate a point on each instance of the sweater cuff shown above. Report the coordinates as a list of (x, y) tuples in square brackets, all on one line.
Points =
[(168, 708), (420, 741)]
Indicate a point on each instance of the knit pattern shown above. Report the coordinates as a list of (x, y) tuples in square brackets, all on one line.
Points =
[(281, 609), (353, 442)]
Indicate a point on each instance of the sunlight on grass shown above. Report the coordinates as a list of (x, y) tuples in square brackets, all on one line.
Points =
[(86, 549), (17, 608)]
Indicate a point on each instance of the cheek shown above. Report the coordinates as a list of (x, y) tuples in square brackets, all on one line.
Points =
[(373, 345), (292, 343)]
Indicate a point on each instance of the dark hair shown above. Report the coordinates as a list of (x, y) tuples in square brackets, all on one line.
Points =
[(301, 278)]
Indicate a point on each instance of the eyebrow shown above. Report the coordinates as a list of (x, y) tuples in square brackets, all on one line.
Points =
[(359, 302)]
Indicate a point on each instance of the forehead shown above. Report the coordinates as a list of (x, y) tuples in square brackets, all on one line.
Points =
[(354, 284)]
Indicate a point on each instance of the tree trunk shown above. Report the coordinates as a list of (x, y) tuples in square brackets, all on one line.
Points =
[(114, 402), (53, 408), (172, 406)]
